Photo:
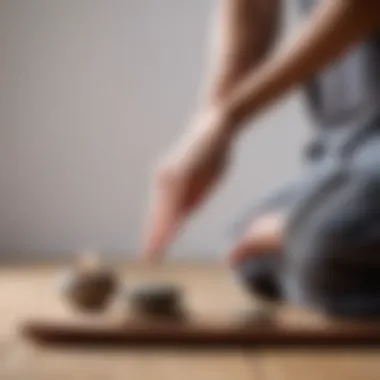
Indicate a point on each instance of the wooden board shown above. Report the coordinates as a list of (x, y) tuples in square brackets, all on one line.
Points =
[(214, 310), (27, 295), (185, 334)]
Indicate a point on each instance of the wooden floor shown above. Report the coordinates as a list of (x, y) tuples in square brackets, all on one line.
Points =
[(30, 292)]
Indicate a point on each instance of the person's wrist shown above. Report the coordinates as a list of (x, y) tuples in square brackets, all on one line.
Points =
[(229, 122), (220, 118)]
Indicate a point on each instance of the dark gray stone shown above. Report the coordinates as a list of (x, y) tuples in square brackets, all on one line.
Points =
[(156, 299)]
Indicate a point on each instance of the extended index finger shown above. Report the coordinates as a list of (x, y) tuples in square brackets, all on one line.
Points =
[(163, 221)]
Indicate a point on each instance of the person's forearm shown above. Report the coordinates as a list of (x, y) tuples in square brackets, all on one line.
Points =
[(333, 28), (245, 32)]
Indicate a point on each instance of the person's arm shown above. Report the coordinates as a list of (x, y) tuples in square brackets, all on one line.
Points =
[(332, 28), (243, 33)]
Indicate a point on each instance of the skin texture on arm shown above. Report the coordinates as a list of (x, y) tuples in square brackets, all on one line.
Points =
[(192, 170), (331, 29), (243, 33)]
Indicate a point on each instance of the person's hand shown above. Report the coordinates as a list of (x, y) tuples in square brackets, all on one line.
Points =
[(185, 178)]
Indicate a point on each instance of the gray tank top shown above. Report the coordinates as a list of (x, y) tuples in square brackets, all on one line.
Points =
[(348, 90)]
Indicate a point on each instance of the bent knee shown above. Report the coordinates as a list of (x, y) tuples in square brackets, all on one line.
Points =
[(265, 234)]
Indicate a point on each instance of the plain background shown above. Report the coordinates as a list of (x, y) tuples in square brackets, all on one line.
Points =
[(91, 93)]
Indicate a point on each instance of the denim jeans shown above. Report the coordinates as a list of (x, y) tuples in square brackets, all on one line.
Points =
[(330, 258)]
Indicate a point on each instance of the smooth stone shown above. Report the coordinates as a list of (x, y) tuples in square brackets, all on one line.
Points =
[(155, 299), (88, 290)]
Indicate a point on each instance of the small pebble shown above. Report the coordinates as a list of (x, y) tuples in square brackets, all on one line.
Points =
[(88, 287), (155, 299)]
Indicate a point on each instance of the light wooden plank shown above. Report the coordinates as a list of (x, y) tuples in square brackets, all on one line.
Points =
[(168, 365), (319, 365), (26, 292)]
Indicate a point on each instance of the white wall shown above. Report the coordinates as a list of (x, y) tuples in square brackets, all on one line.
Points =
[(91, 91)]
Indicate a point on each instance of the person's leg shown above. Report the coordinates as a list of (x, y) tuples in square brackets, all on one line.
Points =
[(259, 276), (333, 251), (263, 227), (259, 272), (260, 232)]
